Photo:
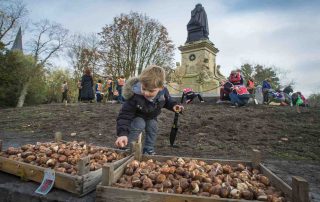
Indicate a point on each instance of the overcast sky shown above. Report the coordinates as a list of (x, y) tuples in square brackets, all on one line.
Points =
[(283, 33)]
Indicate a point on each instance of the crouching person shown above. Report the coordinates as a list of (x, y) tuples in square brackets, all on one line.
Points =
[(239, 96), (189, 94), (225, 90), (277, 97), (145, 96)]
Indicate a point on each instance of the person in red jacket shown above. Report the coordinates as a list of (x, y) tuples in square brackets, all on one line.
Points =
[(239, 96), (235, 77), (250, 85)]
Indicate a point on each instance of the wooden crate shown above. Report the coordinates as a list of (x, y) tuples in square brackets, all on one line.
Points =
[(110, 174), (80, 184)]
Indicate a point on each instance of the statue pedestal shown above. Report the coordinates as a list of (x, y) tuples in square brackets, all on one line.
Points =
[(198, 69)]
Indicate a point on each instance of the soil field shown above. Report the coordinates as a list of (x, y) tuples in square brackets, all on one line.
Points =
[(289, 142)]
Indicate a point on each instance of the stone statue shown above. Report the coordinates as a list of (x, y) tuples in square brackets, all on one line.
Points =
[(197, 27)]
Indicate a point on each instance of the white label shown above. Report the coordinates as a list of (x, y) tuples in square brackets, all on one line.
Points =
[(47, 182)]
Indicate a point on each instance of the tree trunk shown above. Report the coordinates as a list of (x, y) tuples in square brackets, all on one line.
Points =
[(23, 94)]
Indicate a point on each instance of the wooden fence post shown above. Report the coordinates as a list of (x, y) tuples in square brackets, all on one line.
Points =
[(136, 148), (84, 165), (256, 158), (300, 189), (57, 136), (107, 174)]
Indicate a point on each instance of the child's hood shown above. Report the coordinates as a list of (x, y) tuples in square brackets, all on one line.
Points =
[(132, 86)]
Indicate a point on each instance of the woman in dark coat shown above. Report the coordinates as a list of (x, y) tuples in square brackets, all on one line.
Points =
[(87, 86)]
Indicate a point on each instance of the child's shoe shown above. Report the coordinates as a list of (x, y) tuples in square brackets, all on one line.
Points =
[(149, 152)]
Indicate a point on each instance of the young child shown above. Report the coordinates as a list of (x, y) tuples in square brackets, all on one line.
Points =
[(239, 96), (120, 83), (79, 90), (190, 95), (115, 98), (225, 90), (109, 86), (250, 85), (99, 93), (145, 96), (266, 88), (64, 91), (299, 100)]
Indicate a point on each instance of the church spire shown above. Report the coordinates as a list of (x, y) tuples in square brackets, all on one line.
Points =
[(17, 45)]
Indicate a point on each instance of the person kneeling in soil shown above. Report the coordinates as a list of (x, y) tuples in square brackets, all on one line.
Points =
[(266, 89), (99, 93), (225, 90), (239, 96), (299, 100), (145, 96), (190, 95), (277, 98), (64, 91)]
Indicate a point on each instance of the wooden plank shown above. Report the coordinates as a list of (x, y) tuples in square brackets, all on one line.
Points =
[(35, 173), (113, 194), (300, 189), (107, 174), (90, 181), (118, 163), (57, 136), (256, 158), (136, 148), (93, 178), (222, 161), (119, 171), (84, 165), (276, 181)]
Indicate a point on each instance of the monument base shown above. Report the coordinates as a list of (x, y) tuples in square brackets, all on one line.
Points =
[(209, 89), (198, 70)]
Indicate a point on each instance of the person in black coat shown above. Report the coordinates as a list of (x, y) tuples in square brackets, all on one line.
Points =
[(87, 86)]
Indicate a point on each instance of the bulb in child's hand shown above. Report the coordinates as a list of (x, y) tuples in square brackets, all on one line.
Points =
[(177, 108)]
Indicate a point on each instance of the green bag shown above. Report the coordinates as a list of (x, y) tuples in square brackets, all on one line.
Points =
[(299, 101)]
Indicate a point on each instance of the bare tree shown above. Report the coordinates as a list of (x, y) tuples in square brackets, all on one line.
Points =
[(11, 13), (76, 46), (83, 52), (134, 41), (49, 39)]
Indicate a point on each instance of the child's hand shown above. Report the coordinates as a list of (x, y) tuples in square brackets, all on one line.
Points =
[(121, 141), (178, 108)]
